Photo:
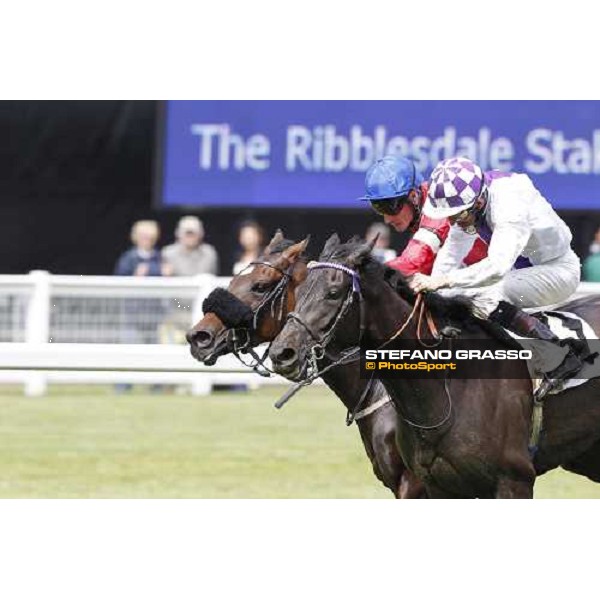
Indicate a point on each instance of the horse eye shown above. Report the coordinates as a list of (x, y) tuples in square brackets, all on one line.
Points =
[(260, 287)]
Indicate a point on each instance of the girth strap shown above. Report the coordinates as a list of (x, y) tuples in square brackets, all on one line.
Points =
[(361, 414)]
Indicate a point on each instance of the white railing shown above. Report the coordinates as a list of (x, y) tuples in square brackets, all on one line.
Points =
[(88, 329)]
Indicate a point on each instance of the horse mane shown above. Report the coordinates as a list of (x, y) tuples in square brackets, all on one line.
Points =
[(457, 310)]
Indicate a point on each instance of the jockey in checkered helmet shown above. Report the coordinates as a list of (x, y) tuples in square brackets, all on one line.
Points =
[(456, 186), (529, 262), (397, 190)]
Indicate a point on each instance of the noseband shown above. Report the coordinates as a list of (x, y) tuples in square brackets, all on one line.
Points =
[(271, 298), (240, 329), (318, 350)]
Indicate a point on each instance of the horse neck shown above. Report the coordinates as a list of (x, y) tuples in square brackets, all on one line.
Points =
[(386, 312), (345, 380), (346, 383), (424, 399)]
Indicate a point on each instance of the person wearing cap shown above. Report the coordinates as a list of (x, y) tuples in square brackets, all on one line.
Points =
[(190, 255), (529, 262), (397, 191)]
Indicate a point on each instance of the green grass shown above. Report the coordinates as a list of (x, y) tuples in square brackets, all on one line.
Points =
[(87, 442)]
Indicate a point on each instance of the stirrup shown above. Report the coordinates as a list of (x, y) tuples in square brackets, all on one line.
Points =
[(554, 379), (547, 386)]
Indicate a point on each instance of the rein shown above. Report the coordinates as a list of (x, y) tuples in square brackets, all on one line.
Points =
[(321, 343), (244, 346), (318, 350)]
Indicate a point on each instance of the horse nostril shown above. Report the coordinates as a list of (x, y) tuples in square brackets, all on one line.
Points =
[(199, 337), (286, 356)]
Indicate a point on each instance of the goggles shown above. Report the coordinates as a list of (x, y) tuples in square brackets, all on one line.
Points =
[(463, 216), (389, 206)]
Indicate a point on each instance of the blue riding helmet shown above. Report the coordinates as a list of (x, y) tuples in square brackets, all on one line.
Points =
[(390, 177)]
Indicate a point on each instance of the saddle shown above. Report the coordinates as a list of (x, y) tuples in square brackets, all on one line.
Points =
[(576, 332)]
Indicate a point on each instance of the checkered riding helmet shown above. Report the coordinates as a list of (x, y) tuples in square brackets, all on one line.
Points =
[(454, 186)]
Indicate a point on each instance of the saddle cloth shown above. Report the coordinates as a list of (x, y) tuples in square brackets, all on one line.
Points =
[(564, 325)]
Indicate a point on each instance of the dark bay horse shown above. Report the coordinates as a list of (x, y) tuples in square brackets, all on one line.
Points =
[(268, 293), (463, 438)]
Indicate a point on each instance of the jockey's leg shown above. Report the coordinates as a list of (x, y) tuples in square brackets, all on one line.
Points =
[(543, 285), (559, 362), (535, 286)]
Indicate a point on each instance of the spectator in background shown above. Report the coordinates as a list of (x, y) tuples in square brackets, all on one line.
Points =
[(143, 259), (382, 251), (591, 265), (140, 316), (189, 255), (251, 239)]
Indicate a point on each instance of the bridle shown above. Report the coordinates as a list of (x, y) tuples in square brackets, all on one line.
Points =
[(319, 349), (243, 344), (351, 354)]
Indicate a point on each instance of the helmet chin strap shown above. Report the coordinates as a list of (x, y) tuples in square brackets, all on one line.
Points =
[(478, 212), (416, 204)]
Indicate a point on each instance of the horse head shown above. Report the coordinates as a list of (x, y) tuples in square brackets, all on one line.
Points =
[(328, 308), (254, 306)]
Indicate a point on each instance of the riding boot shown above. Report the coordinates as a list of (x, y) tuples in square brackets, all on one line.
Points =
[(523, 324)]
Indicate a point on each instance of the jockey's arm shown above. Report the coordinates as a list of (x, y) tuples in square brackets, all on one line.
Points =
[(506, 245), (453, 252), (419, 254)]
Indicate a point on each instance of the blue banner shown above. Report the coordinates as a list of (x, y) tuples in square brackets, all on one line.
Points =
[(315, 153)]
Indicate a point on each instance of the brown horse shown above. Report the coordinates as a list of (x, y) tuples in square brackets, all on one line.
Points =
[(462, 438), (254, 309)]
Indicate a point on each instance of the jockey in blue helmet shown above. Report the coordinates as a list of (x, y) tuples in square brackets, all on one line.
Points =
[(397, 191), (392, 186)]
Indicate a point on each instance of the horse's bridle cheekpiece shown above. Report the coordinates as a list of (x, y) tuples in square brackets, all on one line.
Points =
[(318, 350), (242, 320), (352, 354)]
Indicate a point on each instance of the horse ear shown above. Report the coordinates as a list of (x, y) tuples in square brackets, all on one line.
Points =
[(332, 243), (373, 240), (358, 255), (277, 238), (293, 252)]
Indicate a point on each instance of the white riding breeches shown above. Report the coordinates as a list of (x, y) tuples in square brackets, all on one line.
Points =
[(531, 287)]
